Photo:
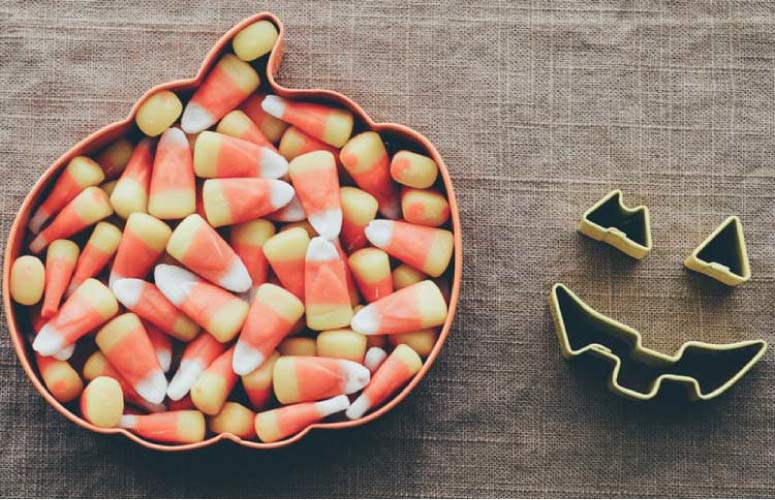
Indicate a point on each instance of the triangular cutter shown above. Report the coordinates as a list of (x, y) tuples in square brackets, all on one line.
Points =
[(723, 255), (626, 229), (637, 372)]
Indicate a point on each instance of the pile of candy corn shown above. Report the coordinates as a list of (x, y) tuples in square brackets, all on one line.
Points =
[(241, 264)]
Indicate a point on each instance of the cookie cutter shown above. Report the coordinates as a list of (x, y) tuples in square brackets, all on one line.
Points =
[(723, 255), (707, 370), (626, 229)]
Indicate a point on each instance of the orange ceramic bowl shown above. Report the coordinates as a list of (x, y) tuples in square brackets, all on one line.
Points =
[(395, 134)]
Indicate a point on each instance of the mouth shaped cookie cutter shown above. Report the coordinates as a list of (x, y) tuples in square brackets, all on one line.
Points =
[(399, 136), (626, 229), (723, 255), (707, 370)]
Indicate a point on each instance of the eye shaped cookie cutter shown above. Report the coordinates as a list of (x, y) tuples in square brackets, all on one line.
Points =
[(626, 229), (707, 370), (723, 255)]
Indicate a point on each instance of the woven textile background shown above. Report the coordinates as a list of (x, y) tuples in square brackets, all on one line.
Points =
[(539, 109)]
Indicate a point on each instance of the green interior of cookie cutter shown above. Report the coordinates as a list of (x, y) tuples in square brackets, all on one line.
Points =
[(627, 229), (638, 372)]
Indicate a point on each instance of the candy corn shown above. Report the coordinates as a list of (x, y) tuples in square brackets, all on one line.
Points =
[(222, 156), (371, 270), (229, 83), (231, 201), (211, 307), (374, 358), (131, 192), (326, 297), (258, 383), (255, 40), (270, 126), (343, 344), (299, 378), (213, 386), (126, 345), (162, 345), (247, 240), (424, 248), (87, 208), (286, 252), (172, 191), (102, 402), (413, 170), (274, 425), (394, 372), (413, 308), (158, 112), (200, 248), (91, 305), (142, 243), (404, 275), (352, 289), (197, 356), (421, 342), (424, 206), (28, 278), (98, 366), (331, 125), (272, 315), (292, 212), (358, 209), (114, 157), (60, 264), (60, 378), (366, 160), (298, 346), (147, 301), (79, 174), (100, 248), (185, 426), (316, 183), (238, 124), (295, 143), (234, 419)]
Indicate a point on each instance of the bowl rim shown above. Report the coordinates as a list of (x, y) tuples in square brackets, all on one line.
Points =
[(18, 230)]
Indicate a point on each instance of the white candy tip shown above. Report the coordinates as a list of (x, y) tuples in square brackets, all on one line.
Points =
[(274, 105), (127, 421), (320, 250), (358, 408), (49, 341), (128, 290), (374, 357), (185, 377), (273, 166), (379, 232), (165, 360), (237, 279), (153, 388), (36, 222), (195, 119), (333, 405), (356, 378), (173, 282), (66, 353), (245, 359), (366, 321), (280, 193), (328, 223), (175, 136), (292, 212)]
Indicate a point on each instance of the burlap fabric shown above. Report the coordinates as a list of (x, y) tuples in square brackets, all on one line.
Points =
[(539, 109)]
